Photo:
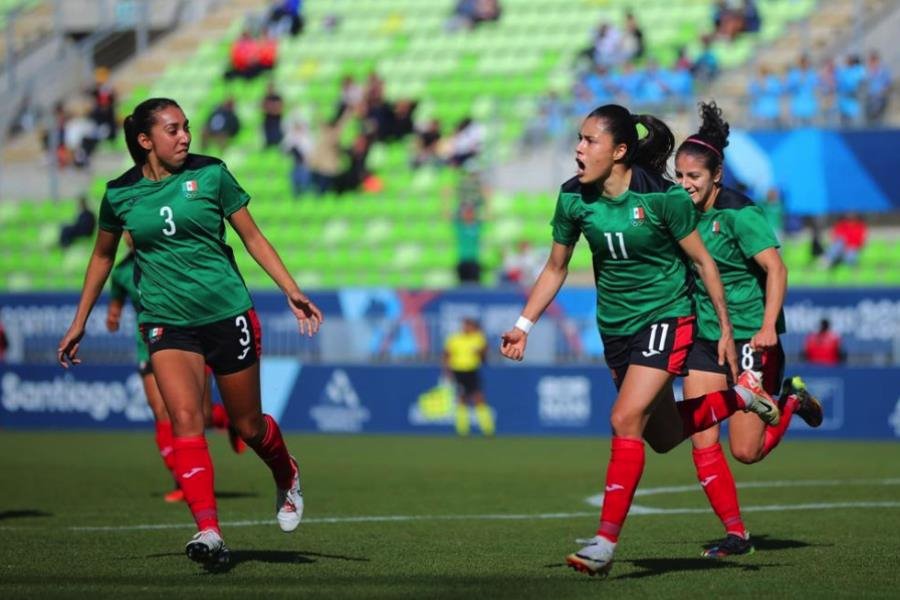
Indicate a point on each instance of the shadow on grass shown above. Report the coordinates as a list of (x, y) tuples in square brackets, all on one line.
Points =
[(222, 495), (661, 566), (284, 557), (23, 514)]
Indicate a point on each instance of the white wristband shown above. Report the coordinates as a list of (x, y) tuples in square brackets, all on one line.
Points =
[(524, 324)]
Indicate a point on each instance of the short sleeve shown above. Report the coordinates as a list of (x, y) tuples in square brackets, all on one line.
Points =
[(753, 232), (232, 196), (678, 212), (565, 228), (109, 220)]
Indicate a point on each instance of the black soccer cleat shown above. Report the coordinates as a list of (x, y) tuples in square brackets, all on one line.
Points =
[(731, 545), (808, 407)]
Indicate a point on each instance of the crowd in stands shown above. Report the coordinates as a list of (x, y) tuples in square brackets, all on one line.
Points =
[(849, 94)]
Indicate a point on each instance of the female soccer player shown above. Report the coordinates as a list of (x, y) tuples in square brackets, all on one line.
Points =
[(739, 238), (122, 288), (642, 230), (195, 307)]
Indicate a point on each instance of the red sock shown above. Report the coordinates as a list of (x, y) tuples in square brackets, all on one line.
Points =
[(699, 414), (194, 468), (626, 464), (715, 477), (774, 433), (219, 417), (164, 443), (273, 452)]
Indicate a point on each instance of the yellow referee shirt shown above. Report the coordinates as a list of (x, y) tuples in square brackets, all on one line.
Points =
[(464, 350)]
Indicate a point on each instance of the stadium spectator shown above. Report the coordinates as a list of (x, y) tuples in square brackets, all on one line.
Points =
[(849, 80), (188, 282), (750, 20), (55, 139), (848, 235), (244, 57), (83, 226), (221, 126), (465, 143), (728, 21), (103, 112), (426, 144), (468, 226), (745, 249), (706, 65), (266, 52), (81, 137), (878, 88), (803, 86), (633, 46), (325, 158), (350, 97), (823, 347), (272, 109), (401, 123), (298, 144), (828, 92), (286, 17), (765, 98), (607, 48), (623, 156), (469, 13), (522, 265), (464, 353), (356, 172)]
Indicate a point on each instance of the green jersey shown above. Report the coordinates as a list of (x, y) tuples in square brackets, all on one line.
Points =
[(186, 274), (121, 282), (735, 230), (640, 270)]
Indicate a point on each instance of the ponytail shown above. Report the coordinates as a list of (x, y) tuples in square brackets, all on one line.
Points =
[(710, 141), (141, 121), (654, 148), (649, 141)]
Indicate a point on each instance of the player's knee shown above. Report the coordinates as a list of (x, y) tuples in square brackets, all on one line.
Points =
[(251, 429), (187, 422), (746, 454), (625, 423)]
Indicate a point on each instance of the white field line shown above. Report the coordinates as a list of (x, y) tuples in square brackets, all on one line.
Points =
[(597, 500), (635, 509)]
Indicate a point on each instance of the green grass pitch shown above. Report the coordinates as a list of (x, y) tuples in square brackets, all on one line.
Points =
[(438, 517)]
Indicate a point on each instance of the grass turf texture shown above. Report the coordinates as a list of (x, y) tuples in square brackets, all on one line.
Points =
[(55, 482)]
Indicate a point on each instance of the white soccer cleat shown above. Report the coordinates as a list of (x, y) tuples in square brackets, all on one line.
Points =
[(760, 401), (289, 503), (208, 547), (595, 558)]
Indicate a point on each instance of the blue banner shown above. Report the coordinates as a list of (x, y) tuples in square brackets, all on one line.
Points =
[(400, 325), (346, 398)]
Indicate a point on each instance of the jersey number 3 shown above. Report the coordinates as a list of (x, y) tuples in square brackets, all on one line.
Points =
[(166, 213)]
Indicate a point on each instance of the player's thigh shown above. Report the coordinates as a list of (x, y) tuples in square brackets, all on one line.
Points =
[(154, 397), (746, 436), (637, 395), (179, 375)]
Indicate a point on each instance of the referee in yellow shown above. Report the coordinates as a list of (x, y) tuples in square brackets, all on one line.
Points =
[(464, 353)]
